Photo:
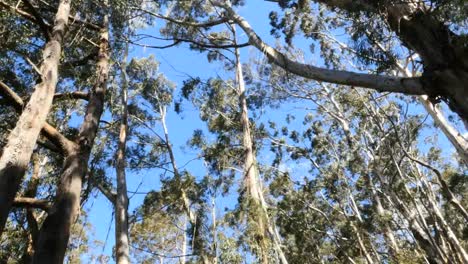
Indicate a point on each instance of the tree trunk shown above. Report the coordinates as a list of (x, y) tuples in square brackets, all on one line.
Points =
[(121, 202), (387, 230), (184, 242), (55, 232), (214, 225), (190, 215), (444, 56), (251, 180), (444, 226), (31, 191), (457, 140), (443, 53), (22, 139)]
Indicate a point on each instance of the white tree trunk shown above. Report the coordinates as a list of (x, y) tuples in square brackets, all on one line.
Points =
[(121, 201), (22, 139)]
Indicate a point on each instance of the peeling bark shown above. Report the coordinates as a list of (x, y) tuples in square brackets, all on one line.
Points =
[(251, 180), (55, 232), (22, 139), (121, 201)]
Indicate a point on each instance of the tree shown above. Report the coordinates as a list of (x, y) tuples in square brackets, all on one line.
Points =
[(369, 180), (17, 153), (54, 233), (421, 27), (286, 164)]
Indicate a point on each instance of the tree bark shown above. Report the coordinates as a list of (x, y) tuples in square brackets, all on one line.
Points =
[(55, 232), (457, 140), (121, 201), (22, 139), (190, 214), (31, 191), (251, 180), (443, 54), (379, 83)]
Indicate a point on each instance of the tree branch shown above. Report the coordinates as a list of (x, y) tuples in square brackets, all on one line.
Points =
[(49, 131), (412, 86), (72, 95), (205, 24), (82, 61), (40, 21), (75, 19), (32, 203), (22, 13), (109, 194)]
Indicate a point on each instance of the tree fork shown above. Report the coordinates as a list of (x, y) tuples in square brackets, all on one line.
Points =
[(55, 232), (22, 139)]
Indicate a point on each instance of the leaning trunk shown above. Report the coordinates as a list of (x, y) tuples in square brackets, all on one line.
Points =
[(457, 140), (22, 139), (444, 54), (54, 234)]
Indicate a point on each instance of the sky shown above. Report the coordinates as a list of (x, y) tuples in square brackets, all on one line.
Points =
[(177, 64)]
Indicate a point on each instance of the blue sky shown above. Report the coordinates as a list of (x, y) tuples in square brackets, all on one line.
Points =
[(177, 63)]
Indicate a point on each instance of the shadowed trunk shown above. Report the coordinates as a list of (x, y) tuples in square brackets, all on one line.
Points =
[(55, 232), (443, 55), (22, 139), (31, 191)]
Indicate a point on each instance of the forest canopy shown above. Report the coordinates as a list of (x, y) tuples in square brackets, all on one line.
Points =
[(234, 131)]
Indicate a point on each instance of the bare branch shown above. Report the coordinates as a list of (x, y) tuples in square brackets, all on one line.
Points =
[(106, 191), (205, 24), (32, 203), (49, 131), (379, 83)]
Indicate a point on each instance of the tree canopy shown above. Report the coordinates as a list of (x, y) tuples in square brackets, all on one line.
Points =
[(290, 131)]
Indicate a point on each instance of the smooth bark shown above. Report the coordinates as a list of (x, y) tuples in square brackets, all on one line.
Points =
[(377, 82), (251, 180), (121, 201), (55, 232), (443, 54), (22, 139)]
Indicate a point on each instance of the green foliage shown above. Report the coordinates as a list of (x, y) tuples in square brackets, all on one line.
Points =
[(342, 173)]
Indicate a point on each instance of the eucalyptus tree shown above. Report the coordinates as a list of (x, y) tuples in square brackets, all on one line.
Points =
[(366, 167), (223, 105), (54, 233), (22, 139), (75, 147), (434, 30), (181, 196), (431, 33)]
